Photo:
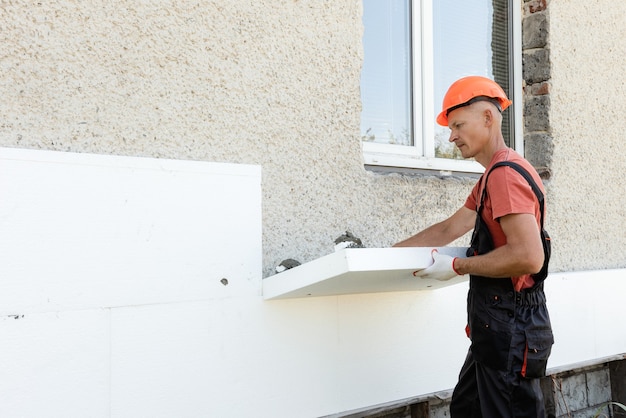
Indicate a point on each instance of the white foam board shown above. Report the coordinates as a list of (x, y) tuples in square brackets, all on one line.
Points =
[(359, 270)]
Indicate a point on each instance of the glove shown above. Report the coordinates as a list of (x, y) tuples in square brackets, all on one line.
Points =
[(441, 269)]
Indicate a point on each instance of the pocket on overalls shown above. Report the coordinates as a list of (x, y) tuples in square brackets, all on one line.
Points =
[(499, 308), (490, 346), (538, 347)]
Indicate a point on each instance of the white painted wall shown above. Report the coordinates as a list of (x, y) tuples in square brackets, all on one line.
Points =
[(111, 303)]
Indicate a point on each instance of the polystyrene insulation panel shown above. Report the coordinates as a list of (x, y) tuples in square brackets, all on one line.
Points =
[(359, 270)]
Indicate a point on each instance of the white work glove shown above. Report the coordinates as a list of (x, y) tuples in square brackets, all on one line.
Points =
[(441, 269)]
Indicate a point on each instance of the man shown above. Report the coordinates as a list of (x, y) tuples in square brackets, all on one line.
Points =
[(508, 321)]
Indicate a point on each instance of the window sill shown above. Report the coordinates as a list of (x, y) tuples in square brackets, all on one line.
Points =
[(441, 166)]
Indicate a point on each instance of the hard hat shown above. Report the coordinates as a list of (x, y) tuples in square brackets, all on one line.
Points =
[(464, 90)]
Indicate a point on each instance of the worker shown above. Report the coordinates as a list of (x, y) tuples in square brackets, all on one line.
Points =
[(508, 322)]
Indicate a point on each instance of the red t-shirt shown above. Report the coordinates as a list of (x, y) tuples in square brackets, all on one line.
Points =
[(507, 193)]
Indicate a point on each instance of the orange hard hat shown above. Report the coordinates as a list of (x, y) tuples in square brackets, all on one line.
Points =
[(464, 90)]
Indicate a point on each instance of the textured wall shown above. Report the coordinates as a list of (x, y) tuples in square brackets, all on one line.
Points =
[(276, 83), (588, 204)]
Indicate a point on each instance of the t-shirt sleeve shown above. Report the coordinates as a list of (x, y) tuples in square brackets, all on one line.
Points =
[(472, 200), (510, 193)]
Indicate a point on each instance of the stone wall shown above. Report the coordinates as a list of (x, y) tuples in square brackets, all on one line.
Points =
[(578, 393), (581, 392), (536, 73)]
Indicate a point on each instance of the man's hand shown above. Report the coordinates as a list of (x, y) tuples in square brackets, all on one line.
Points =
[(441, 269)]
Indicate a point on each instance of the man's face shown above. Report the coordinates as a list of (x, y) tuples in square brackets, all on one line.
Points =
[(468, 131)]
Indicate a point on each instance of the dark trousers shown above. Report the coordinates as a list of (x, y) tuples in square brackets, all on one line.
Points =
[(488, 393), (511, 341)]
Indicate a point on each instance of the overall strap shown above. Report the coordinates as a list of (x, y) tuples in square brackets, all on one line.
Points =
[(526, 175), (545, 238)]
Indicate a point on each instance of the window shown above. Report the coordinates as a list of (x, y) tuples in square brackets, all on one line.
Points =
[(413, 51)]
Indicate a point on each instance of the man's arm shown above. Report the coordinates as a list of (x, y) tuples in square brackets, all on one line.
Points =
[(522, 253), (444, 232)]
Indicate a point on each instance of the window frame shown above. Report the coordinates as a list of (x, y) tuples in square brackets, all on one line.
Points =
[(421, 155)]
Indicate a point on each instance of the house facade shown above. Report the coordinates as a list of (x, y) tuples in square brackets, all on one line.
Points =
[(276, 86)]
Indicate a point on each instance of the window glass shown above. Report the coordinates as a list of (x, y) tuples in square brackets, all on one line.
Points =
[(461, 46), (386, 73), (459, 38), (469, 38)]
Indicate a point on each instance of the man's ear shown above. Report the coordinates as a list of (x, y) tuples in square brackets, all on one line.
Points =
[(488, 117)]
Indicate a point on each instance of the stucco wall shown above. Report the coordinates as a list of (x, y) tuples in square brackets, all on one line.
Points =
[(276, 83), (588, 203)]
